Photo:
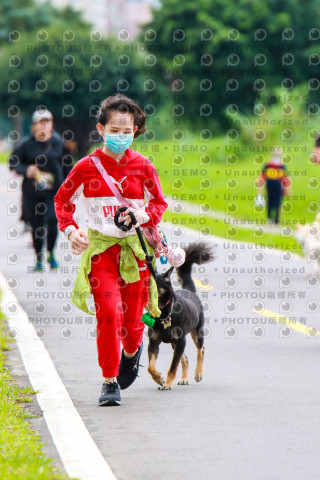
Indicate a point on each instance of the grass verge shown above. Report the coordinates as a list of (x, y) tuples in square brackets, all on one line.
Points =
[(212, 226), (4, 157), (21, 455)]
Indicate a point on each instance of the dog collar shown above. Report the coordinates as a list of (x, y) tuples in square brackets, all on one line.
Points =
[(166, 322), (168, 301)]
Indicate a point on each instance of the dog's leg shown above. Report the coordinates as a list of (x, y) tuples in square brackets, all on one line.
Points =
[(197, 337), (177, 354), (198, 374), (153, 352), (184, 380)]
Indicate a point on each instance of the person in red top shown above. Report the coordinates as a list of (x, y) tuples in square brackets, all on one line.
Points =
[(275, 178), (119, 121)]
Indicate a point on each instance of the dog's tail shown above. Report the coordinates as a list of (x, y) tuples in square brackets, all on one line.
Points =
[(196, 252)]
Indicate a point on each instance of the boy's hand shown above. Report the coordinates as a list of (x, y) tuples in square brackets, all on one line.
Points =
[(79, 241), (127, 219)]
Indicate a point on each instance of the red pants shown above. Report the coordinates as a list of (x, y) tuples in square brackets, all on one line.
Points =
[(119, 308)]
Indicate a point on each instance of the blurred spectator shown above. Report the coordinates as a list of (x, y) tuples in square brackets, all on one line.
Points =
[(316, 150), (274, 177), (40, 159)]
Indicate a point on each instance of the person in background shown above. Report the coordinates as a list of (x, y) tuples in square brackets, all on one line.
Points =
[(69, 149), (275, 179), (39, 159), (316, 150)]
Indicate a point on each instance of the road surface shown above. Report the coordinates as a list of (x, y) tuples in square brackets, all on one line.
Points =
[(256, 413)]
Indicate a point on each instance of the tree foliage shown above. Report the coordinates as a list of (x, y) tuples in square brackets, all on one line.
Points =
[(215, 53), (70, 70), (22, 16)]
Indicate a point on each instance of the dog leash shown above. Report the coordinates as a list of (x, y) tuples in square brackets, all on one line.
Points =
[(147, 318), (123, 201), (125, 228)]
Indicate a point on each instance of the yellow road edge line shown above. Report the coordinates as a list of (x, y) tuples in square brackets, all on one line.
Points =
[(202, 285), (311, 331)]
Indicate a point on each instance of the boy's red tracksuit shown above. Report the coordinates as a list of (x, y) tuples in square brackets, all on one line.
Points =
[(119, 306)]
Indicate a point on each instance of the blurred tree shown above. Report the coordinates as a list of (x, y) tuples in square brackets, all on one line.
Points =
[(217, 55), (70, 71), (22, 16)]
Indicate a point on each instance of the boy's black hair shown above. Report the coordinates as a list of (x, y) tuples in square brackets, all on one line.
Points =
[(121, 103)]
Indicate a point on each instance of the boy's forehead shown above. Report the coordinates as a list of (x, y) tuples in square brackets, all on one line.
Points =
[(121, 118)]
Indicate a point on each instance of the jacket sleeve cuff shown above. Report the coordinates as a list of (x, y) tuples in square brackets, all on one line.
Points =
[(68, 230), (145, 218)]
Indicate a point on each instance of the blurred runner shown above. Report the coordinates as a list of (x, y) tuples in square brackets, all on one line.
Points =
[(275, 178), (40, 159), (316, 150)]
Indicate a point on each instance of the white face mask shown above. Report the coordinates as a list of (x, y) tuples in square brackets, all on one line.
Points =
[(118, 142)]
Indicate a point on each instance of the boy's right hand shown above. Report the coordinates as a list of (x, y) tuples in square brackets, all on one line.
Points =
[(79, 241)]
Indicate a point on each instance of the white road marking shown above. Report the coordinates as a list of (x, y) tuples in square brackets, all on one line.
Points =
[(220, 241), (79, 454)]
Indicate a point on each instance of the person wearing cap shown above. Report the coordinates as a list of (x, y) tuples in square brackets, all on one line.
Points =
[(39, 159), (275, 179)]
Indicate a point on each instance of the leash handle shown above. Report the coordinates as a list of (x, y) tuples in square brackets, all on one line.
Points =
[(125, 228), (121, 225)]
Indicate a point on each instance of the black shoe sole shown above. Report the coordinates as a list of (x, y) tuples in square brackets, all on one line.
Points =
[(110, 403)]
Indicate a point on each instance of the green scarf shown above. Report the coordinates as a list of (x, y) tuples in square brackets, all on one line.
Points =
[(129, 270)]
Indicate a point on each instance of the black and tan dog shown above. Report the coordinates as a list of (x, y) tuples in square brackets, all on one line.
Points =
[(181, 313)]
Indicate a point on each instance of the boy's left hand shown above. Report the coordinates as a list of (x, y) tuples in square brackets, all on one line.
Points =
[(127, 219)]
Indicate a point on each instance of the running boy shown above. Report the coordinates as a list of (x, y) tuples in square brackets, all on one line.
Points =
[(112, 266)]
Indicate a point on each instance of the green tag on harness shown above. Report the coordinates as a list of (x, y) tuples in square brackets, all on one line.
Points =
[(148, 319)]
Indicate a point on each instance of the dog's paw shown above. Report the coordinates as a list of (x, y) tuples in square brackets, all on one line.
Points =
[(183, 381), (159, 380), (165, 387), (198, 377)]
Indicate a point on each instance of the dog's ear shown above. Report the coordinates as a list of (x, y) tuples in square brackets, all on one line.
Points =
[(166, 276)]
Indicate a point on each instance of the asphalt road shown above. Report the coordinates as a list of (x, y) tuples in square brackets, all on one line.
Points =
[(256, 413)]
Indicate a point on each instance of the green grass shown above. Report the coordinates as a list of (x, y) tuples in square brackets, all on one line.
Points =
[(21, 455), (231, 189), (4, 157), (222, 171), (219, 228)]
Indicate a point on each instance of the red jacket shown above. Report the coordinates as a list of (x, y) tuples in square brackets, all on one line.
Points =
[(133, 175)]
